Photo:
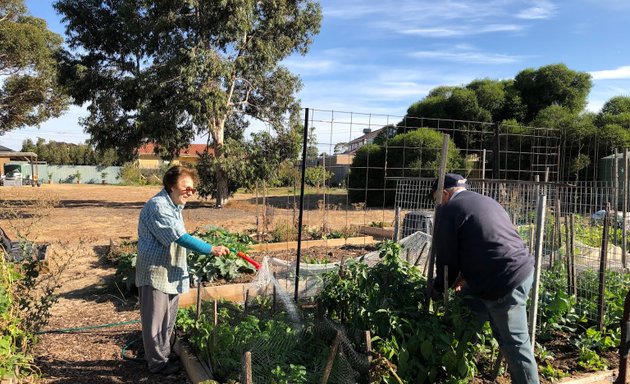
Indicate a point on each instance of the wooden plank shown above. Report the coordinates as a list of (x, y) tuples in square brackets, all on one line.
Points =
[(195, 371), (229, 292), (605, 377)]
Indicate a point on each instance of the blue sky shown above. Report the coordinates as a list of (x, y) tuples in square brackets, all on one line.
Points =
[(378, 57)]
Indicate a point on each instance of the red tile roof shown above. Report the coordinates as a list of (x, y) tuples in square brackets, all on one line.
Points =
[(189, 151)]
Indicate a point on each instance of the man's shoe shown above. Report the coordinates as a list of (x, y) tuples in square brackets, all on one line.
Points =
[(171, 368)]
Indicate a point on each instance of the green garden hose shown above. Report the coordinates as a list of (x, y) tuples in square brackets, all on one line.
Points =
[(124, 348)]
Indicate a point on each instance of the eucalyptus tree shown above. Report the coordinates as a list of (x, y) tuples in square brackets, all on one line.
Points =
[(29, 91), (165, 71)]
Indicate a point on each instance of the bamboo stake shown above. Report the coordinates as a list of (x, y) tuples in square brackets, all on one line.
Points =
[(540, 233), (215, 323), (572, 256), (602, 270), (567, 257), (624, 235), (274, 302), (558, 232), (438, 203)]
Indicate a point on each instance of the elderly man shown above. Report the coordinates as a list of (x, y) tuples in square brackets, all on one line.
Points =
[(488, 262)]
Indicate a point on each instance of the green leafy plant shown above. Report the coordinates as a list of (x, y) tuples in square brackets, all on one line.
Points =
[(228, 267), (295, 374), (284, 232), (388, 299), (551, 373), (590, 360), (236, 332)]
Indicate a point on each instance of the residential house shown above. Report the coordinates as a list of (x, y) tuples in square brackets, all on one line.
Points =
[(147, 159), (367, 138), (339, 163)]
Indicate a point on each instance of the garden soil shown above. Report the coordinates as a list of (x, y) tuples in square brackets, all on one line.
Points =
[(81, 222)]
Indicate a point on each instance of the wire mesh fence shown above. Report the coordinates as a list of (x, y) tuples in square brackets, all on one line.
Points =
[(368, 178)]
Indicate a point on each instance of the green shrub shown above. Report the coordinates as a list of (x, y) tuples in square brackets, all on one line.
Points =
[(130, 174), (16, 339)]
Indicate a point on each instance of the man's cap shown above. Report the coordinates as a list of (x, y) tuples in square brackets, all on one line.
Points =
[(450, 180)]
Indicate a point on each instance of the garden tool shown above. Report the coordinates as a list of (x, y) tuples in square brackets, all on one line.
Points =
[(244, 256)]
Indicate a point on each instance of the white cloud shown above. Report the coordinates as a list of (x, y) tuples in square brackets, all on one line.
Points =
[(465, 30), (540, 10), (609, 74), (467, 56), (308, 66)]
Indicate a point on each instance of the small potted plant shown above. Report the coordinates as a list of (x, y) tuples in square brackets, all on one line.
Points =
[(103, 177), (77, 176), (50, 175)]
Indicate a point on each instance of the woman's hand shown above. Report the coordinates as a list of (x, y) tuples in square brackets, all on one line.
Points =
[(219, 250)]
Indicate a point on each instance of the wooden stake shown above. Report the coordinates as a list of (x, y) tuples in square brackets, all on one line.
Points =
[(624, 348), (248, 368), (368, 345), (198, 296), (396, 224), (331, 359)]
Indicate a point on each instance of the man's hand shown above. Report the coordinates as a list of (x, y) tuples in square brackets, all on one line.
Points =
[(459, 283), (219, 250)]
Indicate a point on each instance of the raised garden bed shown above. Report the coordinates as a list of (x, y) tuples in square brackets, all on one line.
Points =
[(558, 340)]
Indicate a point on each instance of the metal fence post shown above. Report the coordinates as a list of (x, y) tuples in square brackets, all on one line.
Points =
[(301, 214)]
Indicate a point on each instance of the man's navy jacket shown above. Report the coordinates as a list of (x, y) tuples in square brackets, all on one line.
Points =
[(475, 238)]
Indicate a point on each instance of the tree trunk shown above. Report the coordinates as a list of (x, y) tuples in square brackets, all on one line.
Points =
[(222, 189), (217, 134)]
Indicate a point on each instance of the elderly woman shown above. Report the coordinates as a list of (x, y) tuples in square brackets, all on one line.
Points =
[(161, 267)]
